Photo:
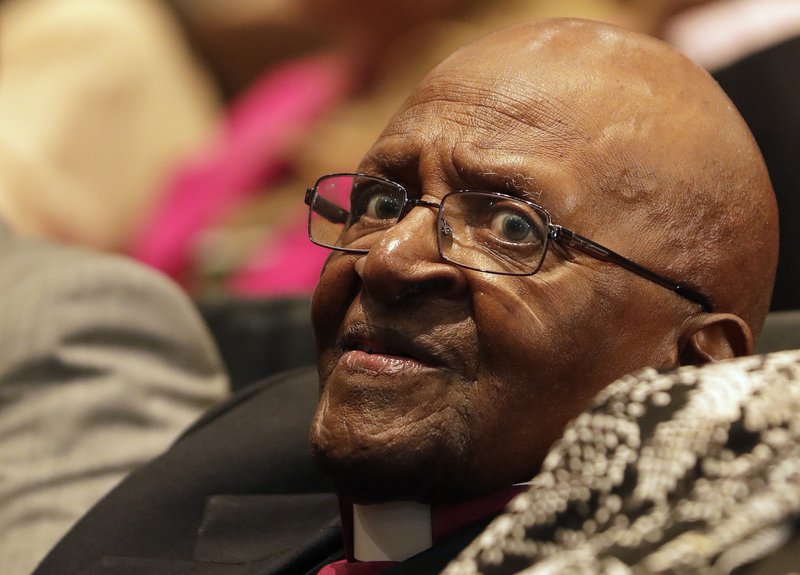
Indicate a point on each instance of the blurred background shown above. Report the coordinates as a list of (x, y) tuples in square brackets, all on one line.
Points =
[(185, 132)]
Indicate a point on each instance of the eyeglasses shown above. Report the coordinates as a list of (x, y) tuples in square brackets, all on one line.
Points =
[(483, 231)]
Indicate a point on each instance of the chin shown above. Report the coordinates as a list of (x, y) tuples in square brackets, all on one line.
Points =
[(365, 479), (365, 470)]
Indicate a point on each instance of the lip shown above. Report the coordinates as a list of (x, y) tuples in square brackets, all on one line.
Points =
[(381, 364), (388, 351)]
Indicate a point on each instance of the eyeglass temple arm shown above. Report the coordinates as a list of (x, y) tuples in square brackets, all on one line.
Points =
[(325, 208), (595, 250)]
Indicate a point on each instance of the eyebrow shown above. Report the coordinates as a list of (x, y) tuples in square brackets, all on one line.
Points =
[(388, 164), (393, 164), (475, 167), (517, 184)]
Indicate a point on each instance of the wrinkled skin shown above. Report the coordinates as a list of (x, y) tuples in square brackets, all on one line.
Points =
[(441, 383)]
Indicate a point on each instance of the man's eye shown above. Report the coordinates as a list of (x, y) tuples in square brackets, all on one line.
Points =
[(512, 227), (383, 206)]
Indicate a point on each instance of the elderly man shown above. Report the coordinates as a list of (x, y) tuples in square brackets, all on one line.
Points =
[(557, 205)]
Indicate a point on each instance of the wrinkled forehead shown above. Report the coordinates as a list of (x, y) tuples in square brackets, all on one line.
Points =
[(534, 123), (504, 104), (579, 79), (578, 114), (466, 125)]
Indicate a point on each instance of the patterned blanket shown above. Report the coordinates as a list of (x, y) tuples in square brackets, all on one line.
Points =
[(694, 471)]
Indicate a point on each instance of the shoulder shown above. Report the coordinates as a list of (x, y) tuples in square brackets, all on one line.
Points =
[(55, 296), (75, 322)]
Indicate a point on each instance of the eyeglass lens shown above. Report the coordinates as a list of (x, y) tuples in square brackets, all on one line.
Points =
[(479, 230)]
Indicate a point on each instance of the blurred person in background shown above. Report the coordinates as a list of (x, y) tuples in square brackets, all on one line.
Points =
[(103, 98), (103, 362)]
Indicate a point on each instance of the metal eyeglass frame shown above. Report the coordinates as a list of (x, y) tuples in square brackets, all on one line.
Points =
[(556, 232)]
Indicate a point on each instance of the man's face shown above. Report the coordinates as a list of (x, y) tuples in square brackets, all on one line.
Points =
[(439, 382)]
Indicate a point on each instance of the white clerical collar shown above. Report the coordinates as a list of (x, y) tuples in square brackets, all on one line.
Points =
[(391, 531), (398, 530)]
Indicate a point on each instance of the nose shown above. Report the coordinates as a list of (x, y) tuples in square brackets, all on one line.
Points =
[(404, 263)]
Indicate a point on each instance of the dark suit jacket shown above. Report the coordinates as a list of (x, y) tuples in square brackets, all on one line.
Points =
[(237, 494)]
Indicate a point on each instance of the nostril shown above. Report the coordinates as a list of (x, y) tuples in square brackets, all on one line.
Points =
[(423, 287)]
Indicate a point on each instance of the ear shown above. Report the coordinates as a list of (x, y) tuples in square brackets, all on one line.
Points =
[(710, 337)]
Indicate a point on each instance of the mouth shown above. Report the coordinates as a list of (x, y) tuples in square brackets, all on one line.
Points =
[(373, 348), (382, 350)]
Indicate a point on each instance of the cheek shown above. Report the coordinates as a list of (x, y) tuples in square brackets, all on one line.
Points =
[(533, 326), (647, 336), (528, 365), (332, 297), (336, 285), (541, 363)]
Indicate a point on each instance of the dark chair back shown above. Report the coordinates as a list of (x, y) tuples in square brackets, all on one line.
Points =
[(781, 331), (258, 338)]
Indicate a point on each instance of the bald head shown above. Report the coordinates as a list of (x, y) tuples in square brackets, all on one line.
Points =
[(657, 151)]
